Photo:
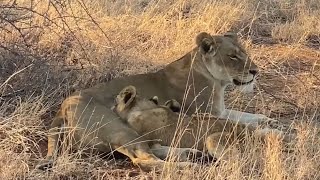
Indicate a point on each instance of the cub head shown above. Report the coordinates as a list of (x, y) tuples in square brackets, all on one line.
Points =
[(171, 104), (127, 101), (145, 114), (225, 59)]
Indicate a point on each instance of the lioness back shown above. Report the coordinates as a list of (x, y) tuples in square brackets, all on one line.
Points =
[(226, 62)]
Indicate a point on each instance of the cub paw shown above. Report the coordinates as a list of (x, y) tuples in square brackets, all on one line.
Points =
[(284, 127), (266, 122), (45, 165), (197, 156)]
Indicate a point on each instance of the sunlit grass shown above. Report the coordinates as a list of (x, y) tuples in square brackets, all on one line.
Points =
[(69, 45)]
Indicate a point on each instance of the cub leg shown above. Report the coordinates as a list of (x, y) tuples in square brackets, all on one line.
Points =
[(141, 155), (219, 145), (288, 138), (182, 154)]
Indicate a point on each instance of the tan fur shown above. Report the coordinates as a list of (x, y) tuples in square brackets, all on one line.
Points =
[(199, 132), (216, 62), (206, 132)]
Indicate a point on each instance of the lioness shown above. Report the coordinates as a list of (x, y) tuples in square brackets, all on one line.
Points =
[(214, 63), (161, 122)]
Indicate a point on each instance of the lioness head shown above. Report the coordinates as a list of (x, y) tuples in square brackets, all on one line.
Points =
[(225, 59)]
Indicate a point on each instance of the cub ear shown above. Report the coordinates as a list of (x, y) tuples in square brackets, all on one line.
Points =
[(126, 97), (155, 99), (173, 104), (231, 35), (207, 43)]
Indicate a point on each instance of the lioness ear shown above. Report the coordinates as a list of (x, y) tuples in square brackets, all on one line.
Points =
[(207, 43), (231, 35), (174, 105), (126, 96)]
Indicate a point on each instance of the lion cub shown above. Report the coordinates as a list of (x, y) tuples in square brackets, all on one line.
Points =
[(162, 125), (148, 119)]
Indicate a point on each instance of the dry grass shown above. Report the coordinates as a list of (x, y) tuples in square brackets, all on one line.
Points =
[(50, 48)]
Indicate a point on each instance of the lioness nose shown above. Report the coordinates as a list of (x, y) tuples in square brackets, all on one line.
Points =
[(253, 72)]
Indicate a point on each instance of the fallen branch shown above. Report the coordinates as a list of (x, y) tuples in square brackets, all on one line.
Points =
[(14, 74)]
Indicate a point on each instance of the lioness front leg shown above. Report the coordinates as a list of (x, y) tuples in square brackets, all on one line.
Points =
[(261, 122), (219, 110), (246, 118)]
